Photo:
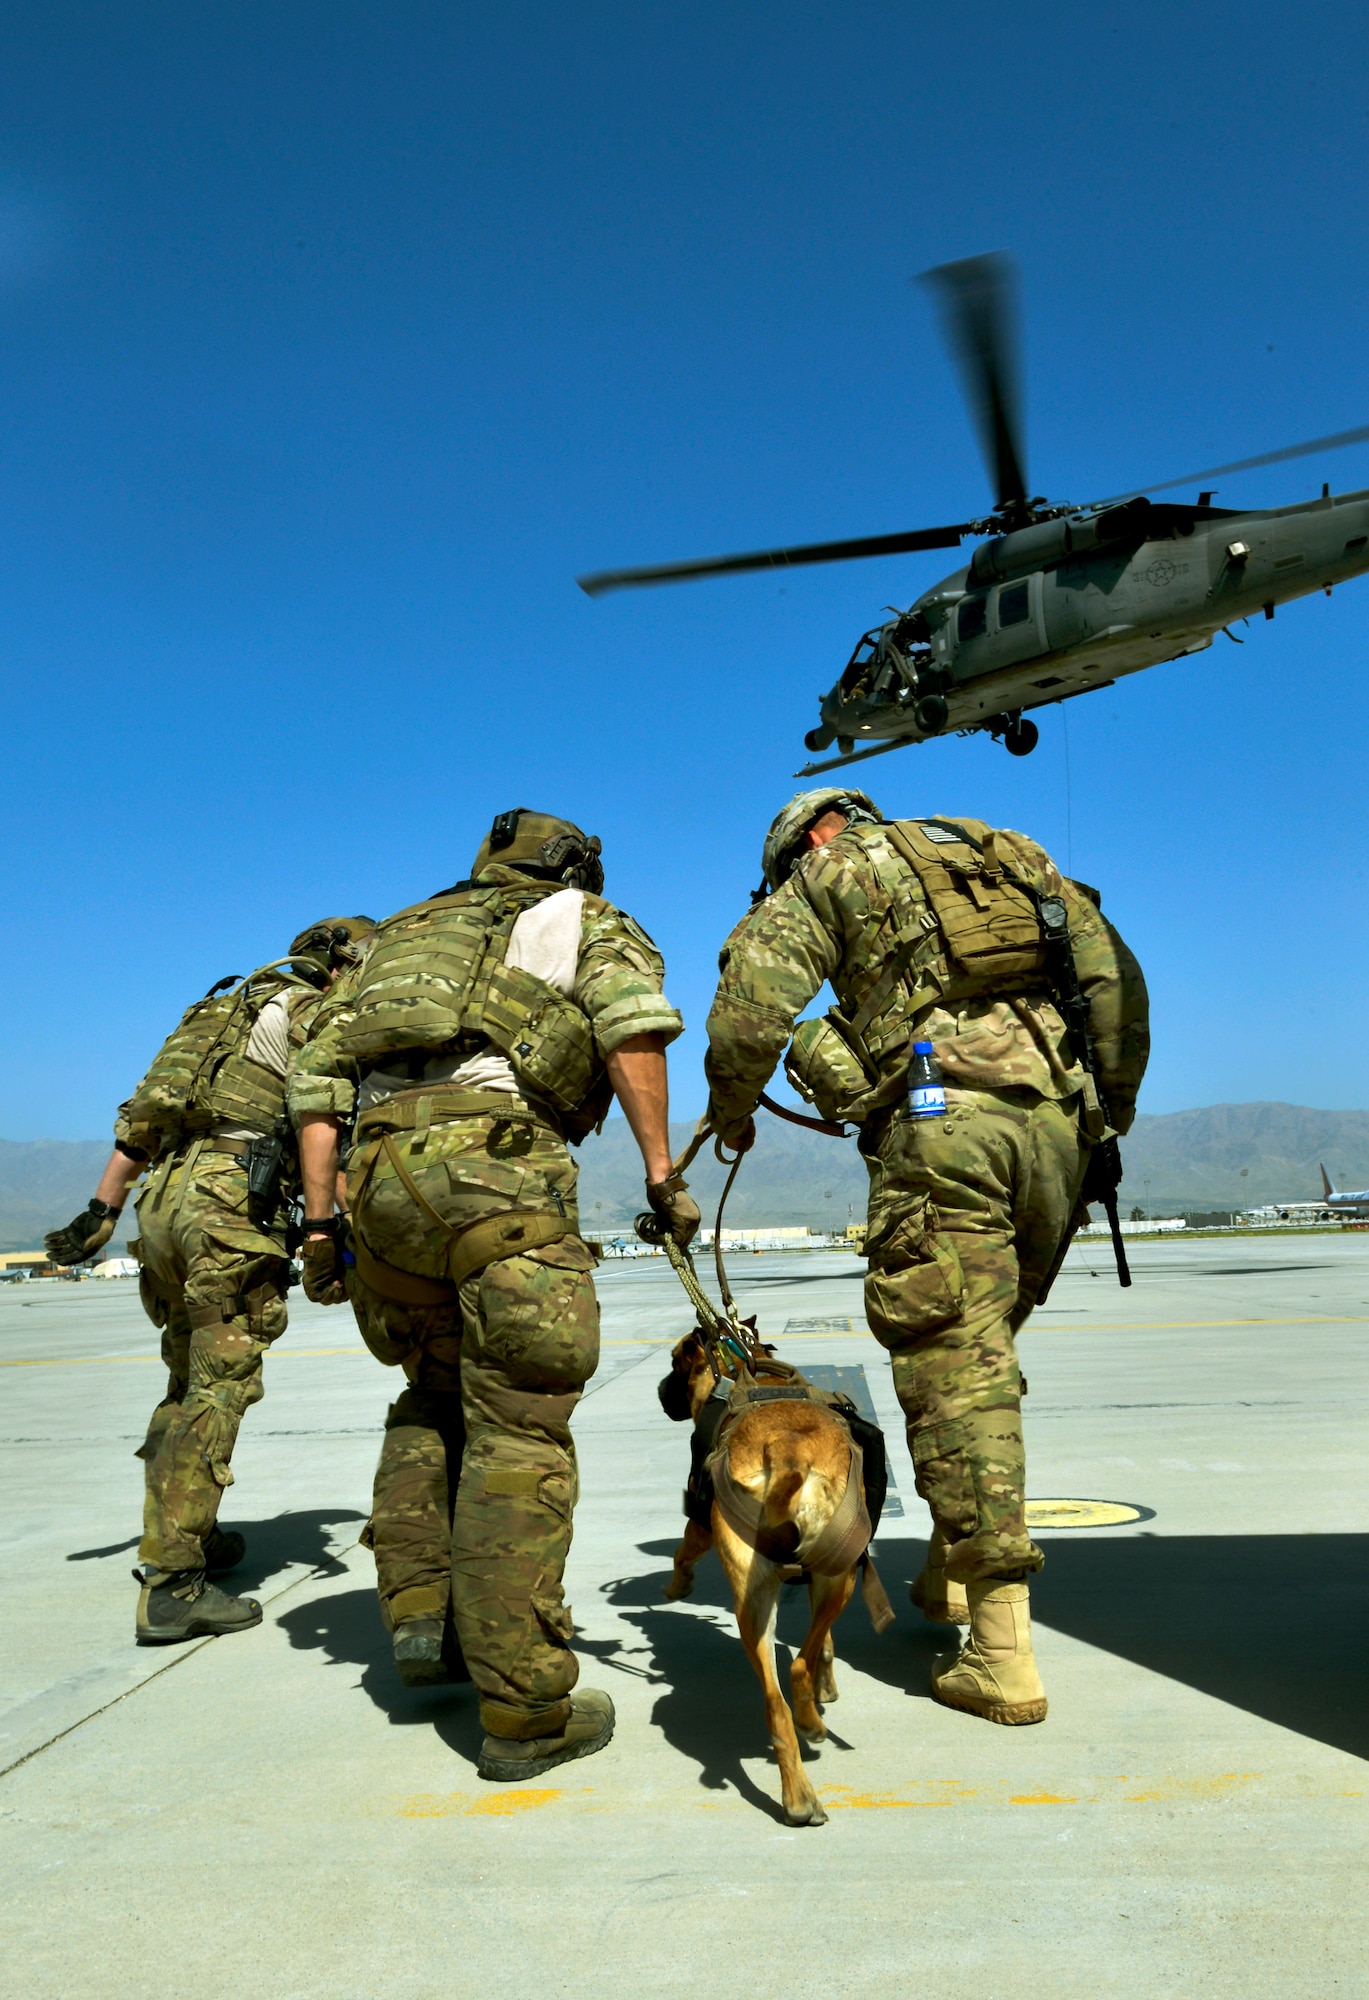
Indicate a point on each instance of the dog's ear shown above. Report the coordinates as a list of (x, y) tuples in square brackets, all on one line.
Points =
[(673, 1390)]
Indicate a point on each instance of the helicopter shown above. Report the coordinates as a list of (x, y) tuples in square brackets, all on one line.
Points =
[(1060, 600)]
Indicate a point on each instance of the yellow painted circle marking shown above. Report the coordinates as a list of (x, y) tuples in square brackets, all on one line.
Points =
[(1084, 1513)]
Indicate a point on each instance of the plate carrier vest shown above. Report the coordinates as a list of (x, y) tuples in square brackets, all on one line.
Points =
[(977, 936), (202, 1076), (435, 980)]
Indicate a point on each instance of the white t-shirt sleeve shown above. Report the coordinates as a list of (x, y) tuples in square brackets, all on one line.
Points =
[(269, 1041), (546, 940)]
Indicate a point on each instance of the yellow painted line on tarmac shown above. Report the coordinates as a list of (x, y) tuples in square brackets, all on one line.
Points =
[(109, 1360), (668, 1340), (450, 1805), (1103, 1326), (1204, 1789), (1172, 1791), (1262, 1319), (1210, 1788), (843, 1796)]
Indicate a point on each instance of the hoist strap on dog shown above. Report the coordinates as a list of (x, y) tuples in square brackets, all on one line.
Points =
[(836, 1549)]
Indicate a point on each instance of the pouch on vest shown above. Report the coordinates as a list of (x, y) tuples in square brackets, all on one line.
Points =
[(437, 974), (825, 1069), (178, 1098), (417, 982), (547, 1039), (986, 941), (990, 926)]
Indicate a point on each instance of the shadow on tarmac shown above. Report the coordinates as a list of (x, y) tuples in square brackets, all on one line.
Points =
[(346, 1627), (114, 1549), (712, 1710), (753, 1280), (1233, 1616), (1222, 1614), (272, 1545)]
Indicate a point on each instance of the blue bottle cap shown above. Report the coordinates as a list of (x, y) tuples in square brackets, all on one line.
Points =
[(922, 1048)]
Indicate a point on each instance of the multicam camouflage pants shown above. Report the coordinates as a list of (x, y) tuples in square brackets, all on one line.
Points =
[(968, 1215), (216, 1285), (477, 1478)]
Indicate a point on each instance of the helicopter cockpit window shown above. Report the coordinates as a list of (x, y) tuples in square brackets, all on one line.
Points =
[(1013, 606), (972, 618)]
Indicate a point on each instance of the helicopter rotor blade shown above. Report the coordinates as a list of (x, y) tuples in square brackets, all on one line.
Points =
[(1333, 443), (602, 581), (978, 302)]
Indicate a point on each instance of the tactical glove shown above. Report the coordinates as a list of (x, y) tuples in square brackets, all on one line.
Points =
[(321, 1257), (84, 1234), (674, 1211)]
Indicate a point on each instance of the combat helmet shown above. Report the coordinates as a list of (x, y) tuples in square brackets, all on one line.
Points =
[(782, 843), (541, 845), (333, 941)]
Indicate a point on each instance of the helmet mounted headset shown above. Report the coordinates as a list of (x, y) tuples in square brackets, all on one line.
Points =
[(541, 845)]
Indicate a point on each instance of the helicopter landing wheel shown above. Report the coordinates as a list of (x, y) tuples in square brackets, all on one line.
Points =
[(932, 714), (1021, 739), (818, 739)]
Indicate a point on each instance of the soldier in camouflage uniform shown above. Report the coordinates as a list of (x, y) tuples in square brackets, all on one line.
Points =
[(929, 930), (214, 1269), (486, 1027)]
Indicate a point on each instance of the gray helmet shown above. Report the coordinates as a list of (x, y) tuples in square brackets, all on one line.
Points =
[(783, 842), (540, 844)]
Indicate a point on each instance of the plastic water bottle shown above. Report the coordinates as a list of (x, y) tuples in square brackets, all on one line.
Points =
[(926, 1091)]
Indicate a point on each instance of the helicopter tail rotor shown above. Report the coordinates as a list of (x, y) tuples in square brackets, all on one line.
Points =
[(978, 300)]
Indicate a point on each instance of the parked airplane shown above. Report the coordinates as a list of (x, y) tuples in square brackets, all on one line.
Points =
[(1345, 1203)]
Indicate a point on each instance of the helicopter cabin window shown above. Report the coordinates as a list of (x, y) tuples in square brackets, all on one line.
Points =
[(1014, 606), (972, 618)]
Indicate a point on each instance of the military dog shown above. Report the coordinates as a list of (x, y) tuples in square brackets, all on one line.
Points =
[(776, 1500)]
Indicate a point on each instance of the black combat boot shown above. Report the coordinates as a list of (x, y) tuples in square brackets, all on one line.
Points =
[(179, 1604), (428, 1653), (224, 1548)]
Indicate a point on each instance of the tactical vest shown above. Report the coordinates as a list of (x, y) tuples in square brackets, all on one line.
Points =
[(977, 936), (436, 980), (202, 1077)]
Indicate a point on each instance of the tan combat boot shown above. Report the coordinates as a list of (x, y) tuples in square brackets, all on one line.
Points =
[(586, 1729), (940, 1599), (994, 1674)]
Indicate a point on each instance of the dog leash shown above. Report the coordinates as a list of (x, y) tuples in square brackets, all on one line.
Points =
[(731, 1341), (729, 1336)]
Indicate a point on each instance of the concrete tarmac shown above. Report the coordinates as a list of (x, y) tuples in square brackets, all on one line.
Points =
[(274, 1814)]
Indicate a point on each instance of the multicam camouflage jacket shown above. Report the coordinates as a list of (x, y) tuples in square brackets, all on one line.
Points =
[(618, 985), (842, 916)]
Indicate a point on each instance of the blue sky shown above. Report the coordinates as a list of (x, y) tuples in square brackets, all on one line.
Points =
[(336, 338)]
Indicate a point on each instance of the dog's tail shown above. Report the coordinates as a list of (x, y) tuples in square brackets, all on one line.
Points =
[(782, 1487), (795, 1491)]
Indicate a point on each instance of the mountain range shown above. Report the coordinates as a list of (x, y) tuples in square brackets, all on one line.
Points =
[(1222, 1157)]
